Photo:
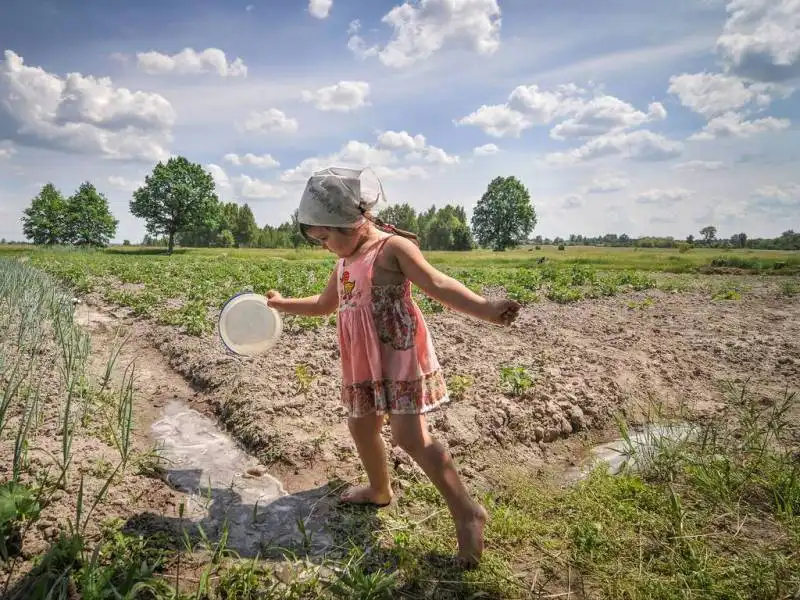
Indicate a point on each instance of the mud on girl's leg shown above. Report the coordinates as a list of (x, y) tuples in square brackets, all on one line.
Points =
[(366, 432)]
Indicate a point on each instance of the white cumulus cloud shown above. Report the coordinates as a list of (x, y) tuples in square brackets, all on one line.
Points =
[(265, 161), (424, 27), (396, 155), (268, 121), (713, 94), (497, 120), (789, 191), (257, 189), (401, 140), (604, 114), (572, 202), (416, 147), (486, 150), (735, 125), (345, 96), (580, 115), (607, 183), (639, 145), (664, 196), (7, 150), (353, 153), (700, 165), (221, 179), (190, 61), (123, 183), (83, 114), (761, 39), (320, 8)]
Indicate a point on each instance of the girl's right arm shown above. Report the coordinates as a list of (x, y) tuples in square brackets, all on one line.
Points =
[(312, 306)]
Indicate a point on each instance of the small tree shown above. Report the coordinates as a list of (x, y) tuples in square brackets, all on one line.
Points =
[(89, 221), (177, 197), (462, 237), (45, 219), (739, 240), (225, 239), (296, 238), (504, 216), (246, 231), (709, 233)]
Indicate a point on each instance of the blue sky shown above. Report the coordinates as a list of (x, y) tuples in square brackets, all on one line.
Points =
[(621, 116)]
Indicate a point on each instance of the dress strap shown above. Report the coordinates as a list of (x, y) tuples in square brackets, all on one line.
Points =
[(378, 249), (375, 254)]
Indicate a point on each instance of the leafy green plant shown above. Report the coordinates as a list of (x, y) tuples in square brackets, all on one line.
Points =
[(355, 583), (563, 294), (459, 385), (305, 378), (790, 287), (515, 381), (727, 294), (641, 305), (18, 505)]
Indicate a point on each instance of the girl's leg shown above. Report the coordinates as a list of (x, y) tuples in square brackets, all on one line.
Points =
[(366, 434), (412, 435)]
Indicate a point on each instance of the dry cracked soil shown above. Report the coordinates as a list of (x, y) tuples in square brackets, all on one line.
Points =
[(588, 362)]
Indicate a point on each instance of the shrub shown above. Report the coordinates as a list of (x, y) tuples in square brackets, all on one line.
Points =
[(561, 247), (684, 247)]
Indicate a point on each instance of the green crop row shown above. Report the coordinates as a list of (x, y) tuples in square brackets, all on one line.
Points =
[(187, 290)]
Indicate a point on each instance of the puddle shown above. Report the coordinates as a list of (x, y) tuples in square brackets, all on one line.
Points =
[(208, 465), (614, 453)]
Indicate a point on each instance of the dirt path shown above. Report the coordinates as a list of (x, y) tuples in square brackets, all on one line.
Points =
[(224, 487)]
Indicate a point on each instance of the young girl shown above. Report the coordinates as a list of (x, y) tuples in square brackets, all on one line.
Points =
[(389, 365)]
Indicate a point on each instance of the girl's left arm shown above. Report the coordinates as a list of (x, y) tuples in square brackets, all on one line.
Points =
[(447, 290)]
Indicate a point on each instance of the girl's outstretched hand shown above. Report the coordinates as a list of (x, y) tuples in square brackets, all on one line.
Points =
[(503, 312), (274, 298)]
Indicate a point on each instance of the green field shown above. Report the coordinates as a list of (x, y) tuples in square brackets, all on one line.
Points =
[(184, 289), (710, 513)]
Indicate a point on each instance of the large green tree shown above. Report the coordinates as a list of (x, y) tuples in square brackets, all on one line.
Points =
[(45, 219), (177, 197), (504, 216), (89, 221), (709, 233)]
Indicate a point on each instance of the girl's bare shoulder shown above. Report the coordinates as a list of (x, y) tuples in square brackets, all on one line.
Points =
[(393, 248)]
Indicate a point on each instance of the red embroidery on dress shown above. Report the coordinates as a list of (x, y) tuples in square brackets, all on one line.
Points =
[(347, 286)]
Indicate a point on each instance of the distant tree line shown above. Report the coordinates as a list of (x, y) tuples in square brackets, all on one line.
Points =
[(445, 228), (788, 240), (179, 205)]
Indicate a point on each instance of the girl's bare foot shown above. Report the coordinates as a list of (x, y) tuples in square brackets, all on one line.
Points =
[(366, 495), (469, 532)]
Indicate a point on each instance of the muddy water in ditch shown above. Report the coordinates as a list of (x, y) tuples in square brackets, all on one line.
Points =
[(226, 488), (619, 453)]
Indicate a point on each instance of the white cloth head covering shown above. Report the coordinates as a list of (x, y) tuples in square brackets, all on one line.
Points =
[(339, 197)]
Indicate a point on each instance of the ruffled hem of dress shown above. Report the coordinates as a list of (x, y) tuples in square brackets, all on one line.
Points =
[(418, 396)]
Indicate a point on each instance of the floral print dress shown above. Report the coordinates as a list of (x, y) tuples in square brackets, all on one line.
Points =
[(388, 361)]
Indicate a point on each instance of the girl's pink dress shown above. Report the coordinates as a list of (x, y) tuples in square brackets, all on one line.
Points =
[(388, 361)]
